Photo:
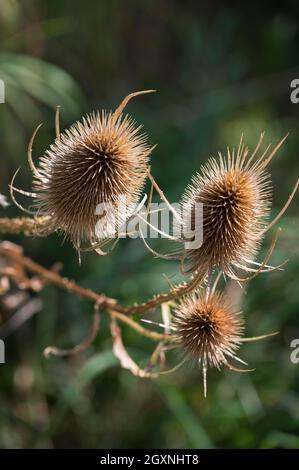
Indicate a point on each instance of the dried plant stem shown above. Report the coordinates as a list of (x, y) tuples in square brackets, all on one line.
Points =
[(28, 226), (55, 278), (258, 338), (163, 197), (176, 292), (140, 329), (101, 299), (53, 351)]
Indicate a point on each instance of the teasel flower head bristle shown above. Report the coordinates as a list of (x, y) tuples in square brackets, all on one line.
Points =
[(235, 193), (208, 329), (101, 159)]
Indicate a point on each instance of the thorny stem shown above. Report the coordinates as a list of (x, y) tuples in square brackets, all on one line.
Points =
[(27, 225), (101, 299), (55, 278), (159, 299)]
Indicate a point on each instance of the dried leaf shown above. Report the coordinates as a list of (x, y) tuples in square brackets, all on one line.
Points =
[(121, 353)]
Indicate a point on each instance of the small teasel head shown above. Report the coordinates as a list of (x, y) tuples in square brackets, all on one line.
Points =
[(97, 168), (208, 329), (235, 193)]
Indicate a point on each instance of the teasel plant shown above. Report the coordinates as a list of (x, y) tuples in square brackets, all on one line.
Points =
[(106, 155)]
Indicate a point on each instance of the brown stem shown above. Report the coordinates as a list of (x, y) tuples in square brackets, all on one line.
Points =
[(101, 299), (55, 278), (159, 299), (143, 331), (27, 225)]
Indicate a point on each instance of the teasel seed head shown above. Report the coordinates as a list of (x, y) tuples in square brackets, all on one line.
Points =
[(99, 160), (235, 193), (208, 329)]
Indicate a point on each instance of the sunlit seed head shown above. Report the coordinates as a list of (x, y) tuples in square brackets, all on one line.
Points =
[(208, 328), (235, 192), (99, 160)]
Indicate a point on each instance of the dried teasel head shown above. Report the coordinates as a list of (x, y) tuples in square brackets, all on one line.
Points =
[(102, 159), (235, 193), (208, 329), (224, 213), (235, 202)]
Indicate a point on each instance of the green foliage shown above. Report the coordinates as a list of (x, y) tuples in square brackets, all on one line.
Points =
[(219, 71)]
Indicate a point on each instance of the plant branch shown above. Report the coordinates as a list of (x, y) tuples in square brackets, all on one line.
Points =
[(55, 278), (28, 226), (140, 329), (101, 299)]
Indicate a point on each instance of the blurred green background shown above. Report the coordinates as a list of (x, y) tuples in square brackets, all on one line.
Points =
[(220, 70)]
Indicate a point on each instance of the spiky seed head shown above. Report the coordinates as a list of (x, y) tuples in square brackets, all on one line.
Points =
[(208, 328), (235, 192), (99, 160)]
